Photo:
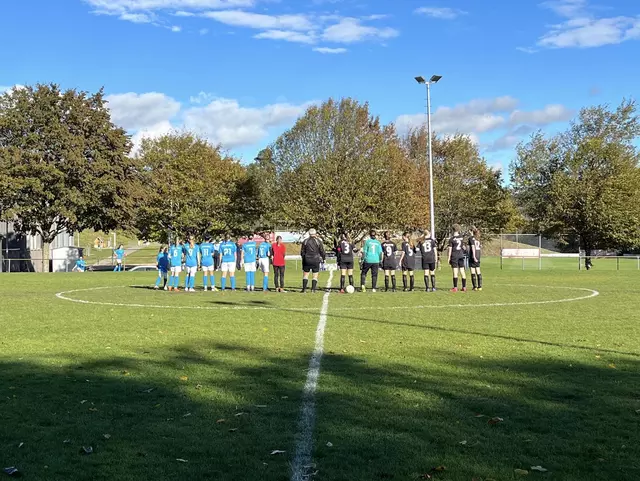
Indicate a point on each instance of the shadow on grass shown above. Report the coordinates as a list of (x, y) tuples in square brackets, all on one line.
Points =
[(385, 421)]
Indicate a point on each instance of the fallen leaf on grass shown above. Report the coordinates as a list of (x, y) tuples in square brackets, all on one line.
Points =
[(239, 414), (495, 420), (480, 415), (284, 397), (66, 441), (83, 401), (329, 444), (598, 356), (106, 436), (277, 451), (220, 421), (612, 366), (180, 460), (11, 471), (637, 411), (439, 469), (93, 410), (184, 378), (186, 415), (261, 406), (233, 430), (463, 442), (150, 390), (198, 386), (540, 469), (86, 450), (20, 445), (521, 472), (126, 373)]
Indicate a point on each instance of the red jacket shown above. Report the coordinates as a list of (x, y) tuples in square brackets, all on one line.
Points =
[(279, 251)]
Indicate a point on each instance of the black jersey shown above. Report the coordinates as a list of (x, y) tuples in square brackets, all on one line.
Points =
[(428, 251), (345, 248), (473, 242), (408, 261), (389, 250), (456, 243)]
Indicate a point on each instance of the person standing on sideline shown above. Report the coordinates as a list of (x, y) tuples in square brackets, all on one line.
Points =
[(389, 264), (81, 265), (428, 251), (206, 262), (228, 252), (191, 254), (120, 255), (345, 251), (372, 257), (238, 255), (313, 254), (279, 253), (408, 262), (175, 260), (249, 259), (264, 261), (474, 259), (162, 264), (456, 259), (216, 256)]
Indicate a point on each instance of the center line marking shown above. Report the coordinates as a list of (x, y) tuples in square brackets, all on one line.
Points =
[(304, 437)]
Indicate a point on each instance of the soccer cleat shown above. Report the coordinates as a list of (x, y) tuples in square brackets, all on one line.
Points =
[(341, 291), (433, 289), (474, 289), (363, 289), (479, 288), (166, 288), (373, 290), (156, 287), (214, 289), (455, 289), (464, 289)]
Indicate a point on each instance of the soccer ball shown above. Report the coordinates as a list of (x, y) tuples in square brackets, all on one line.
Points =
[(351, 289)]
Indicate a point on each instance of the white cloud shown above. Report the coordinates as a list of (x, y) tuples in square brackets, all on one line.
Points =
[(584, 29), (350, 30), (182, 13), (240, 18), (287, 35), (444, 13), (203, 31), (176, 29), (327, 50), (136, 17), (224, 121), (150, 132), (116, 7), (548, 115), (141, 111), (201, 98)]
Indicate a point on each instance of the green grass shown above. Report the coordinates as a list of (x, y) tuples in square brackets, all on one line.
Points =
[(402, 386)]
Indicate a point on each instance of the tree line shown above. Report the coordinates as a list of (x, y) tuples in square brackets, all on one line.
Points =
[(64, 166)]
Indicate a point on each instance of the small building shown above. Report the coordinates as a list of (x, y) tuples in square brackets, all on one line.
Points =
[(23, 253)]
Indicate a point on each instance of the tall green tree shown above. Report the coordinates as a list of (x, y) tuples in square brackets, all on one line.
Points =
[(584, 183), (67, 163), (339, 170), (466, 190), (191, 187)]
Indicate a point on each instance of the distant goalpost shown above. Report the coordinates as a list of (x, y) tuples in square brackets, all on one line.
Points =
[(530, 248)]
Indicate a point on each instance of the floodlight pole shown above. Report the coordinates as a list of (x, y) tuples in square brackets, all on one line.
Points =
[(431, 206)]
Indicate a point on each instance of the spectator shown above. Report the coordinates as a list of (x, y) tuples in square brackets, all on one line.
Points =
[(278, 252)]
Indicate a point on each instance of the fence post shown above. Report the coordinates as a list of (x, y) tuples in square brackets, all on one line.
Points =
[(539, 252), (579, 263), (638, 259), (617, 263), (522, 262)]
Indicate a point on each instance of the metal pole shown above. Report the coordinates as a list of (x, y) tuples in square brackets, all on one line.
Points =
[(431, 206), (539, 252)]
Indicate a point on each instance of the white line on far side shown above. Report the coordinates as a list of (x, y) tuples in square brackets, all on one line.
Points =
[(306, 424)]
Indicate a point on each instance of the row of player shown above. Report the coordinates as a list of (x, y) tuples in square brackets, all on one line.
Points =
[(374, 255)]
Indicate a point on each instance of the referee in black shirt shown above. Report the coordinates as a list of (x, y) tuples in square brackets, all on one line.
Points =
[(313, 254)]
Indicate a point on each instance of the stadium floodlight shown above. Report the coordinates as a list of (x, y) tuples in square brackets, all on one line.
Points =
[(421, 80)]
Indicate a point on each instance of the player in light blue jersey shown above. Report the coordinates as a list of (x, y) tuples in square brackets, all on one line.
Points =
[(207, 264), (162, 264), (249, 252), (228, 252), (81, 265), (191, 258), (264, 261), (175, 261), (119, 254)]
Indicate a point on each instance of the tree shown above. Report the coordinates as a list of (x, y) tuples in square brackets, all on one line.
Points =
[(191, 187), (67, 163), (466, 190), (581, 184), (339, 170)]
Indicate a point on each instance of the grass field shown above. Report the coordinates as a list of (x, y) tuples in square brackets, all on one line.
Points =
[(205, 386)]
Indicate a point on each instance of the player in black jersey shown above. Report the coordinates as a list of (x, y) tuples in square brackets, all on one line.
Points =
[(475, 250), (389, 261), (345, 253), (456, 258), (407, 261), (428, 250)]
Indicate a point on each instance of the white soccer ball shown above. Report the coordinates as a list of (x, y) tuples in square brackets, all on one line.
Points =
[(351, 289)]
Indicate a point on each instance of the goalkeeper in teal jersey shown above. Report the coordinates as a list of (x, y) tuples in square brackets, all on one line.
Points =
[(372, 257), (162, 264), (264, 261), (175, 261), (191, 253), (206, 262)]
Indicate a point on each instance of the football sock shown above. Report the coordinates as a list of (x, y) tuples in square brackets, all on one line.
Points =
[(165, 281), (473, 280), (350, 280), (426, 282), (233, 283), (314, 285), (412, 282), (186, 281), (248, 278), (224, 282), (193, 282), (363, 278), (305, 283), (433, 281), (265, 283), (205, 281), (386, 282), (115, 269), (374, 280), (158, 280), (464, 283), (480, 280), (393, 282), (455, 282), (404, 282), (342, 279), (213, 281)]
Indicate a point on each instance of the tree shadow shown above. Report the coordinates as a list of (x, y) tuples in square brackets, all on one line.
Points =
[(385, 420)]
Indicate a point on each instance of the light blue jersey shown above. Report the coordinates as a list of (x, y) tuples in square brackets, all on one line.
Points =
[(206, 254), (119, 253), (264, 250), (163, 261), (81, 265), (228, 250), (175, 255), (249, 249), (191, 255)]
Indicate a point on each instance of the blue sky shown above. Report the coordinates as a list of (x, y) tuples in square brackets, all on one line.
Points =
[(241, 71)]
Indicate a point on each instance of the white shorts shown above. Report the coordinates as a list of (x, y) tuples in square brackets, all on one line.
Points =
[(229, 267), (192, 270), (119, 261), (264, 264), (249, 266), (207, 268), (175, 270)]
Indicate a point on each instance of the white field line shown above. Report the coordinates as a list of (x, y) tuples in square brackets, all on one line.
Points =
[(304, 436), (591, 293)]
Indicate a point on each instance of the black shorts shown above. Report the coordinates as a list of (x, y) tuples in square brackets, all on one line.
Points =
[(473, 264), (388, 265), (408, 266), (429, 266), (457, 263), (311, 267), (346, 265)]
